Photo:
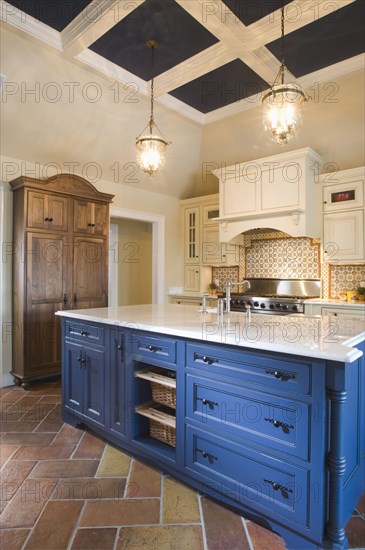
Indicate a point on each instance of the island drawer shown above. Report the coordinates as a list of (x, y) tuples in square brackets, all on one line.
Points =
[(242, 366), (277, 489), (85, 332), (153, 348), (273, 421)]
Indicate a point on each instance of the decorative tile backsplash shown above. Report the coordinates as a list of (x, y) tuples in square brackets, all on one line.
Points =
[(276, 255), (345, 277)]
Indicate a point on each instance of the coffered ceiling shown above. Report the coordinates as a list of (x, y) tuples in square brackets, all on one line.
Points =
[(215, 57)]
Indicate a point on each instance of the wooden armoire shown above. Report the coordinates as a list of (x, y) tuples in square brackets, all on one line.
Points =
[(60, 261)]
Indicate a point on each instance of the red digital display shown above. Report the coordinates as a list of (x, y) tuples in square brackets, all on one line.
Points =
[(342, 196)]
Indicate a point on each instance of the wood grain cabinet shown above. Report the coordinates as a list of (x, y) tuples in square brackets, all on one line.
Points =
[(59, 262)]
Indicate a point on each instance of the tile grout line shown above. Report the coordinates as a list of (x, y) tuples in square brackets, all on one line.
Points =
[(161, 497), (77, 526), (204, 535), (101, 459), (125, 492), (247, 533), (76, 446)]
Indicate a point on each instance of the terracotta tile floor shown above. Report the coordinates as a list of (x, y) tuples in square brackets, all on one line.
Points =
[(63, 488)]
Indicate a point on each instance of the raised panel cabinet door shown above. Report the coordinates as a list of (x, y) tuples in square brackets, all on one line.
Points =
[(73, 373), (100, 220), (192, 278), (58, 213), (82, 216), (94, 384), (239, 194), (47, 211), (343, 236), (47, 273), (90, 273), (212, 250)]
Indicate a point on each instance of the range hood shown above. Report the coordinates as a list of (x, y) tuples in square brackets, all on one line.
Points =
[(280, 192)]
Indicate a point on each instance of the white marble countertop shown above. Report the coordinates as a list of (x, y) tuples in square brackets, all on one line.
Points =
[(304, 335), (334, 302)]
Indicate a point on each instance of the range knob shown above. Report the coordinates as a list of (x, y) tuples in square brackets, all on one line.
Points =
[(256, 304), (278, 306), (242, 302), (272, 306), (249, 303), (262, 306), (236, 302), (284, 307), (295, 308)]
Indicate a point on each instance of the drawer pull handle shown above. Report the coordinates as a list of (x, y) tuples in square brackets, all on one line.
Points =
[(153, 349), (65, 302), (79, 359), (211, 404), (206, 359), (278, 424), (84, 333), (281, 375), (204, 454), (279, 487)]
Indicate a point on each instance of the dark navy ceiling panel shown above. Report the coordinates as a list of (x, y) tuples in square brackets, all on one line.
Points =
[(180, 36), (54, 13), (250, 11), (328, 40), (223, 86)]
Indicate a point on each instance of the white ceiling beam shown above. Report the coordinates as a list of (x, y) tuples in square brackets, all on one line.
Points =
[(194, 67), (93, 22)]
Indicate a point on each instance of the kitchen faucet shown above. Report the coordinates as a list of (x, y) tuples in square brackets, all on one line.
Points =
[(228, 292)]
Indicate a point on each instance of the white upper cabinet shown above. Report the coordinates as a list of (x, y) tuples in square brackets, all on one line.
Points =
[(279, 192), (343, 216)]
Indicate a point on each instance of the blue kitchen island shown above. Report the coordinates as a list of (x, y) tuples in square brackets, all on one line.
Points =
[(265, 415)]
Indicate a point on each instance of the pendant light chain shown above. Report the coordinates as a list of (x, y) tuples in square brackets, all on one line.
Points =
[(282, 42), (152, 121)]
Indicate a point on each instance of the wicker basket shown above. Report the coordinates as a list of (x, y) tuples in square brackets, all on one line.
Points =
[(162, 422), (163, 387), (164, 395), (163, 433)]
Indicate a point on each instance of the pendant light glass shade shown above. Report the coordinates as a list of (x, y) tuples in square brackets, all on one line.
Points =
[(282, 111), (282, 103), (150, 144)]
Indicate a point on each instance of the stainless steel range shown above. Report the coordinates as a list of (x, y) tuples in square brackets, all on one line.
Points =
[(275, 296)]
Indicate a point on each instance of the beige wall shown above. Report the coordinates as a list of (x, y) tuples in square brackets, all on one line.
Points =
[(6, 215), (333, 125), (56, 111), (134, 262)]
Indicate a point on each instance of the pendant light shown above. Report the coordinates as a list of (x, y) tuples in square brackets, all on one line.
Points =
[(283, 102), (151, 145)]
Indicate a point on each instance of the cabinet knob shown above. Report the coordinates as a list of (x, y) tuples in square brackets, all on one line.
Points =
[(46, 219), (50, 219), (324, 202)]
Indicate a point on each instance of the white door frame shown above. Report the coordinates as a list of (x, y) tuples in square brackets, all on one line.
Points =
[(158, 246)]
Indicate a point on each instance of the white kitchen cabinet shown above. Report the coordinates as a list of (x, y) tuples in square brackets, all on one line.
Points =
[(343, 236), (337, 310), (192, 235), (215, 253), (344, 311), (192, 278), (343, 216), (200, 238)]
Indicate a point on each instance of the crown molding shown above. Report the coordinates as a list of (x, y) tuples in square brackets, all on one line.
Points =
[(28, 24)]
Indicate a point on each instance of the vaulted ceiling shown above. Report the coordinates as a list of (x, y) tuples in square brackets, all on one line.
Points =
[(215, 57)]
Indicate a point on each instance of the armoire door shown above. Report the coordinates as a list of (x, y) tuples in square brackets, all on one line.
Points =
[(90, 273), (47, 275)]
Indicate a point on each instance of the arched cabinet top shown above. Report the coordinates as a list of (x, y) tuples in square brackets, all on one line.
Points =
[(67, 184)]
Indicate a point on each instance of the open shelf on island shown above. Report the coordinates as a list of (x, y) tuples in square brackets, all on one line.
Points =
[(163, 385), (162, 421)]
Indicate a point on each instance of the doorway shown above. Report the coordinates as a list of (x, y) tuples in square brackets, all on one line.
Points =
[(136, 258)]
